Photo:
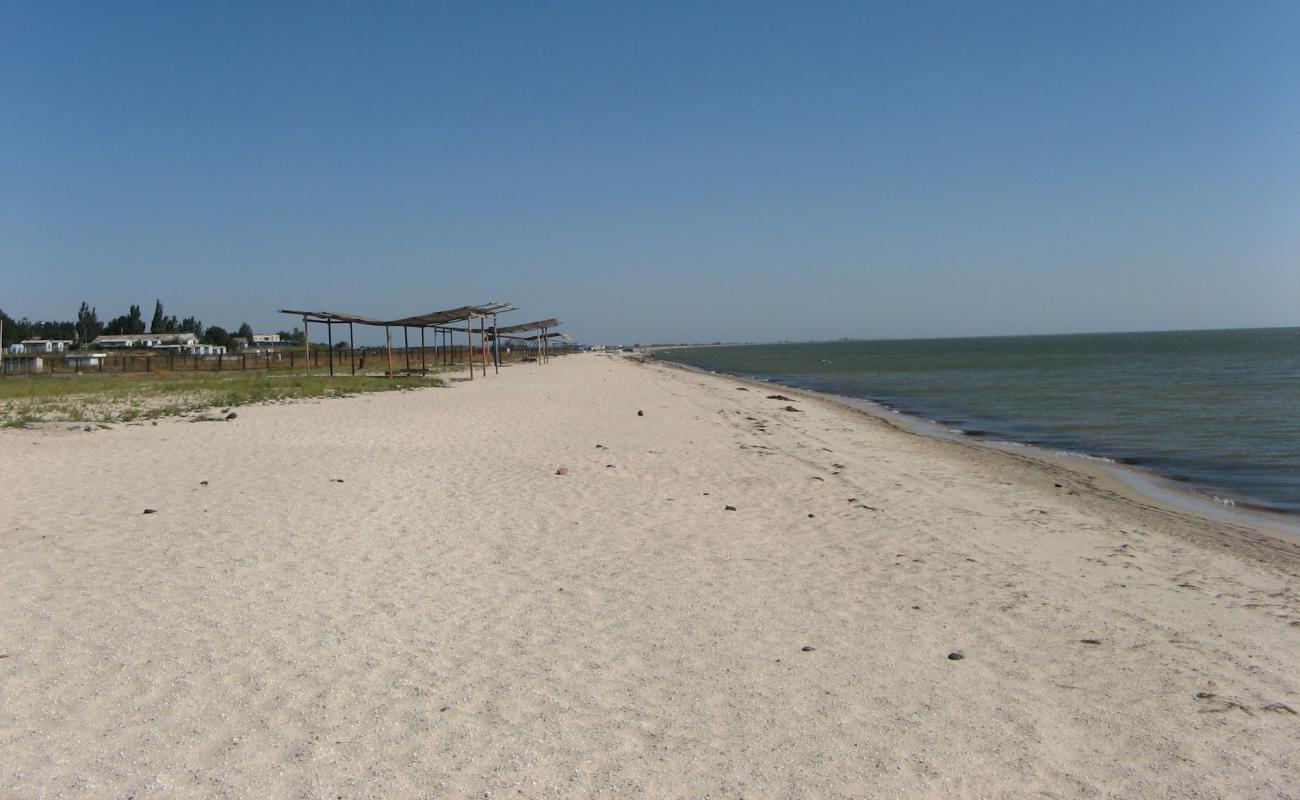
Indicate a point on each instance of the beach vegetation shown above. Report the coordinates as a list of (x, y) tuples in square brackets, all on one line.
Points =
[(109, 398)]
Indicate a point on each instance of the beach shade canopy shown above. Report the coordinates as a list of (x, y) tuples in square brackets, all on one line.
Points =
[(440, 322), (564, 337), (539, 325), (433, 319)]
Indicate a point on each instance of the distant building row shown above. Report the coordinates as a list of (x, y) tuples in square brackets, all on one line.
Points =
[(187, 343)]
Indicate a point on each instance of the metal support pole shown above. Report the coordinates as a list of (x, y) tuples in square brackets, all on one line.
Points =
[(406, 346), (388, 339), (329, 334), (469, 349), (423, 369), (352, 349), (306, 344), (482, 340)]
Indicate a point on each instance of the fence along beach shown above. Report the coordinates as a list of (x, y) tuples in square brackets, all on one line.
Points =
[(600, 577)]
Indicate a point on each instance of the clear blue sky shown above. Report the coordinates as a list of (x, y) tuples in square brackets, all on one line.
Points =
[(658, 172)]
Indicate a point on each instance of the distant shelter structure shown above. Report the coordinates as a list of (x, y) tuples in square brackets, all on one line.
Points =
[(540, 337), (443, 324)]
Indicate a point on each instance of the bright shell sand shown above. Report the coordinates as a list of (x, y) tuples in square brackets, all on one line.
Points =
[(455, 619)]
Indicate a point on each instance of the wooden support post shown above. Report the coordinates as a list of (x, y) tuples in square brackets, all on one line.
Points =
[(423, 369), (469, 349), (496, 348), (406, 346), (482, 340), (329, 336), (388, 343), (306, 344), (352, 348)]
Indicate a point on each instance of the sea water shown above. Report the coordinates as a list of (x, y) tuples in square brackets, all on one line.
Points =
[(1218, 411)]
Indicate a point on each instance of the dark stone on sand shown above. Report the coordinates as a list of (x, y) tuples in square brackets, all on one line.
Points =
[(807, 648), (810, 516), (151, 511), (779, 397), (609, 466), (741, 389), (956, 655), (728, 508), (1057, 485), (336, 480), (88, 429), (203, 483), (562, 471), (1091, 641), (231, 415), (640, 413), (792, 408)]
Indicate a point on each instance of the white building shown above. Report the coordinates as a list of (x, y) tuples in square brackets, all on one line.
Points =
[(267, 338), (84, 360), (21, 364), (194, 348), (40, 346), (118, 340)]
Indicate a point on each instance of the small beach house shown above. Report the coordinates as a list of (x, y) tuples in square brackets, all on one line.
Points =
[(152, 340), (40, 346)]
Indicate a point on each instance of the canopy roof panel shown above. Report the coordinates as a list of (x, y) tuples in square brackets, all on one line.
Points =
[(530, 326), (429, 320)]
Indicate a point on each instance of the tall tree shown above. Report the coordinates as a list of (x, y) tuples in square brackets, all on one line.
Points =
[(246, 332), (218, 335), (88, 324), (15, 330), (191, 325), (159, 322), (135, 320)]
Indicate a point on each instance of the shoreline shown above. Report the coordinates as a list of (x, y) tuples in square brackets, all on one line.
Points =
[(1139, 483), (606, 578)]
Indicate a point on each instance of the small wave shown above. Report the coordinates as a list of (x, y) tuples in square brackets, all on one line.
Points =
[(1088, 456)]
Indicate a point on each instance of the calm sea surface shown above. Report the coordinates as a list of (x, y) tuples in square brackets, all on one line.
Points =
[(1219, 410)]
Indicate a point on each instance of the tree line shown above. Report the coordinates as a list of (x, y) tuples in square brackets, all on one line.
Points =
[(88, 325)]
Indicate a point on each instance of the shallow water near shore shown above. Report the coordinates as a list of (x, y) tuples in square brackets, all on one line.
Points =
[(1218, 412)]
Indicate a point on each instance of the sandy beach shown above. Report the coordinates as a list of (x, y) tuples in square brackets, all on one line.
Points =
[(519, 586)]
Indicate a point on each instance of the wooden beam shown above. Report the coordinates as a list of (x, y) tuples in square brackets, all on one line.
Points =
[(329, 337)]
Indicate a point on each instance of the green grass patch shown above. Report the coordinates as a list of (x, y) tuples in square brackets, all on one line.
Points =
[(123, 398)]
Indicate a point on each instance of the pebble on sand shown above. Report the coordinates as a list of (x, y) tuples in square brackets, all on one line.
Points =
[(956, 655), (151, 511), (728, 508), (231, 415), (807, 648), (562, 471), (640, 413)]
